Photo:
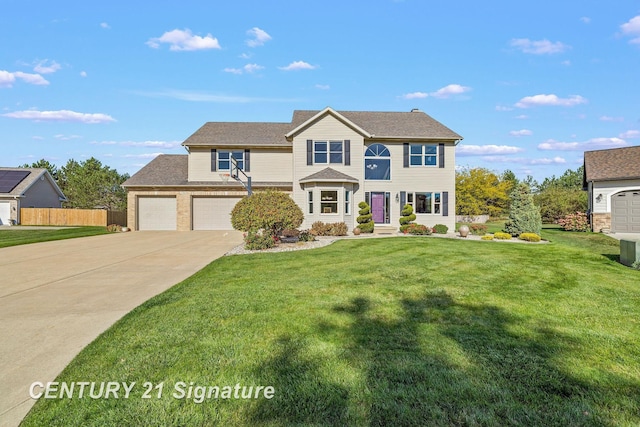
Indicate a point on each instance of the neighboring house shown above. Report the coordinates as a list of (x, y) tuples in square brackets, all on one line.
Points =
[(26, 188), (328, 161), (612, 178)]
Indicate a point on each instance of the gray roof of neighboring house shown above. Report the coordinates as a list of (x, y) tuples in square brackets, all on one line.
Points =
[(612, 164), (380, 124), (170, 170), (240, 133), (29, 180), (384, 124), (329, 175)]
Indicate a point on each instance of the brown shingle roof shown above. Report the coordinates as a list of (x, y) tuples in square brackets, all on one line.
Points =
[(240, 133), (384, 124), (329, 175), (170, 170), (612, 164)]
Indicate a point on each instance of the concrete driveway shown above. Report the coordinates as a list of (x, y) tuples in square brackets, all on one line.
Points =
[(57, 297)]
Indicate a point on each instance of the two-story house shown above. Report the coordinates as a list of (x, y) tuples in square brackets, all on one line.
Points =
[(328, 161)]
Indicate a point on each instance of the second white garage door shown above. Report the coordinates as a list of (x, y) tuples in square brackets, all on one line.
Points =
[(213, 213), (157, 213)]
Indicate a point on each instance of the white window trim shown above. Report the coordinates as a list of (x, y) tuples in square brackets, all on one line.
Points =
[(336, 202), (218, 159), (422, 156), (433, 202), (328, 152)]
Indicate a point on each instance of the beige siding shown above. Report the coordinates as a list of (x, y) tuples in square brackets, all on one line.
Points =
[(41, 195), (328, 128), (267, 164), (607, 189)]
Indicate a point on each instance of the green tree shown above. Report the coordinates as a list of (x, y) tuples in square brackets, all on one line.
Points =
[(559, 197), (44, 164), (270, 210), (479, 191), (90, 184), (524, 215)]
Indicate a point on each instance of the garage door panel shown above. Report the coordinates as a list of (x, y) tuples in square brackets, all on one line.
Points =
[(5, 213), (625, 212), (157, 213), (213, 213)]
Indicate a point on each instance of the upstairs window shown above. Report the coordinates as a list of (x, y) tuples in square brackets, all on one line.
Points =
[(327, 152), (224, 159), (377, 163), (423, 154)]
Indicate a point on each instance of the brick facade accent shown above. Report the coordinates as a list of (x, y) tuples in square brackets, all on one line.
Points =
[(600, 221)]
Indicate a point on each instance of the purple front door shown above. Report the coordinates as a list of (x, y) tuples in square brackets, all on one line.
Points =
[(377, 207)]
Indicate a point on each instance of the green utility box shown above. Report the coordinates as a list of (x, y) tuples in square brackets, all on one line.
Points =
[(629, 251)]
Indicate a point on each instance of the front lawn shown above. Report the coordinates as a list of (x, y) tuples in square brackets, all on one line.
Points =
[(390, 331), (13, 236)]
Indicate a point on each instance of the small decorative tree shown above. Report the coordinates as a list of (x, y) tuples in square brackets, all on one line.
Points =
[(365, 220), (407, 217), (271, 211), (524, 215)]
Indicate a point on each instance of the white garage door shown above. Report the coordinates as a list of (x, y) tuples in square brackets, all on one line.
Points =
[(5, 213), (213, 213), (157, 213), (625, 209)]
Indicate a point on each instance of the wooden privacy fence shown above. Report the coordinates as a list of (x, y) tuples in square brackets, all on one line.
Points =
[(72, 217)]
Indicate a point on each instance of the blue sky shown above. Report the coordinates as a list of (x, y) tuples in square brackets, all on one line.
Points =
[(530, 86)]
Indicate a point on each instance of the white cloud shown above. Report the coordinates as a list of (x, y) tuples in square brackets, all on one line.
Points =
[(249, 68), (591, 144), (259, 37), (630, 134), (152, 144), (415, 95), (547, 161), (60, 116), (632, 29), (83, 74), (43, 68), (483, 150), (539, 47), (184, 40), (552, 99), (611, 119), (525, 161), (503, 108), (449, 90), (566, 63), (445, 92), (521, 132), (7, 79), (585, 19), (522, 117), (298, 65), (105, 25), (66, 137), (323, 87)]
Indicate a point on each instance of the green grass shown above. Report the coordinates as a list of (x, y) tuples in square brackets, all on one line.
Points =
[(376, 332), (13, 236)]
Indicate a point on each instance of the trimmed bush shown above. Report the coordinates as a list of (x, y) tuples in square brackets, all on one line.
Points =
[(319, 228), (529, 237), (502, 236), (271, 211), (524, 215), (440, 229), (254, 241), (365, 220), (575, 222), (417, 229), (488, 237), (407, 217), (306, 236)]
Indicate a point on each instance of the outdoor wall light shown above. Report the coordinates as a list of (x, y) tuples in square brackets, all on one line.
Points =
[(397, 197), (599, 198)]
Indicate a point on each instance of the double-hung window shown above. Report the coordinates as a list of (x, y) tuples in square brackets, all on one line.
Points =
[(224, 159), (427, 203), (328, 152), (329, 202), (423, 154)]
